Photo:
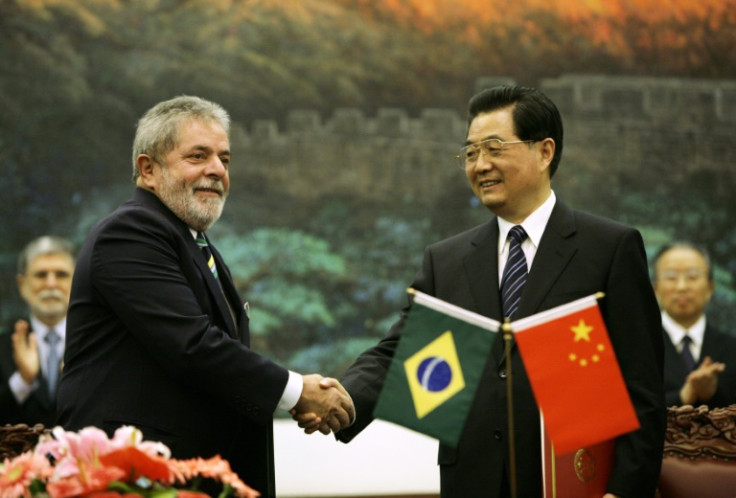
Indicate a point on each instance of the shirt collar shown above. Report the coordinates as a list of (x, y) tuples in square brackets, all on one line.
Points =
[(677, 331), (41, 329), (534, 224)]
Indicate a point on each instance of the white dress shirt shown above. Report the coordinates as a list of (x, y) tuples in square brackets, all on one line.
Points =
[(677, 332), (533, 225)]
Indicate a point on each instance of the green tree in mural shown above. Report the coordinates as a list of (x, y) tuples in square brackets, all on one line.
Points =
[(292, 282)]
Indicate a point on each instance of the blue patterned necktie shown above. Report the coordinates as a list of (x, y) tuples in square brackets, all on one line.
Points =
[(687, 355), (514, 273), (52, 361), (205, 247)]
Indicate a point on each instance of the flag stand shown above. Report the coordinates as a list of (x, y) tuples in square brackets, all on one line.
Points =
[(507, 336)]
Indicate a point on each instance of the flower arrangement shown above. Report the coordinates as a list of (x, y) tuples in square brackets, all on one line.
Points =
[(89, 464)]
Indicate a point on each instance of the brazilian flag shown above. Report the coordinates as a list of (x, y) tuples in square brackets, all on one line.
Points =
[(434, 374)]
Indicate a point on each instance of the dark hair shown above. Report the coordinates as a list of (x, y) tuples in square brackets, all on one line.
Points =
[(682, 244), (535, 116)]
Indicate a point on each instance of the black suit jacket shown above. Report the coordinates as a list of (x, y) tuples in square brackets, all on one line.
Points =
[(720, 347), (39, 408), (151, 343), (579, 254)]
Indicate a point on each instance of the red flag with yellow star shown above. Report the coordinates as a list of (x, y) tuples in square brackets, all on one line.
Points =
[(575, 376)]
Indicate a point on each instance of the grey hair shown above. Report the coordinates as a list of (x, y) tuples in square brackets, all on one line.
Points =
[(43, 246), (158, 130)]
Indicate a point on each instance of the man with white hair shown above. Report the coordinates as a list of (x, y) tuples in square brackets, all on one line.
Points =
[(30, 355)]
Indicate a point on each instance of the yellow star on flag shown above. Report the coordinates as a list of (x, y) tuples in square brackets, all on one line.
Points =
[(582, 331)]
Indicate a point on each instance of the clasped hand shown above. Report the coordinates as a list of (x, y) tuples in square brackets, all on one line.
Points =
[(324, 405)]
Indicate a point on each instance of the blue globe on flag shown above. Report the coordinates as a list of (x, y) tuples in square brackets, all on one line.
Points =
[(434, 374)]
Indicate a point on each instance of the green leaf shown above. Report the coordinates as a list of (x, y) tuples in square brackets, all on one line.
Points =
[(163, 493), (227, 491), (121, 487), (37, 487)]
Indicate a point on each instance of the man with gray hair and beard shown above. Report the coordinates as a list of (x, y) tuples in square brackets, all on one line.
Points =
[(158, 337), (30, 355)]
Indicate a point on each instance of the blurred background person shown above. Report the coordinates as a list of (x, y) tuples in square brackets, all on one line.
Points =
[(700, 361), (32, 349)]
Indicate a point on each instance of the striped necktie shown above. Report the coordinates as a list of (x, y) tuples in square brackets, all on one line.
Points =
[(53, 361), (514, 273), (205, 247)]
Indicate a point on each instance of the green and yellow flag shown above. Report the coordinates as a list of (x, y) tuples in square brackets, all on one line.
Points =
[(435, 371)]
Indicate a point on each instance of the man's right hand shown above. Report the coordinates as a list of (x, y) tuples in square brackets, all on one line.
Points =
[(25, 351), (329, 408)]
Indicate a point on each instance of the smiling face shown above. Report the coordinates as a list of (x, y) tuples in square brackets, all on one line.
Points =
[(192, 179), (514, 181)]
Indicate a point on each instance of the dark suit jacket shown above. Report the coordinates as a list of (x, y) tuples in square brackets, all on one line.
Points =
[(151, 343), (720, 347), (39, 408), (579, 254)]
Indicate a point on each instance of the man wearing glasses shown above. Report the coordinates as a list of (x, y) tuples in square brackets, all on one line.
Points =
[(513, 148), (696, 354)]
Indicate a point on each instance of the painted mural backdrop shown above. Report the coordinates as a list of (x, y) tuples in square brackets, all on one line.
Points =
[(347, 116)]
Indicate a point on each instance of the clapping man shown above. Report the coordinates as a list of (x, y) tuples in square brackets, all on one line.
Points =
[(30, 355), (700, 360)]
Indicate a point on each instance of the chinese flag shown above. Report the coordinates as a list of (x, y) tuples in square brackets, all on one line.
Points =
[(575, 375)]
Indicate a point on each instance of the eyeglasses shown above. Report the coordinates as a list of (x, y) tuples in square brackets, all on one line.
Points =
[(492, 147), (690, 276)]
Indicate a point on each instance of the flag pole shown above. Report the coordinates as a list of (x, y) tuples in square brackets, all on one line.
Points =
[(507, 336)]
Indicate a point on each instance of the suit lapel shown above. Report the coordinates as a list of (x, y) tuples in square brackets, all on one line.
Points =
[(712, 345), (216, 292), (555, 250), (150, 201), (231, 294), (673, 361), (481, 267)]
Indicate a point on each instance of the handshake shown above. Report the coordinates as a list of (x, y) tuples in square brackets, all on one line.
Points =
[(324, 405)]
